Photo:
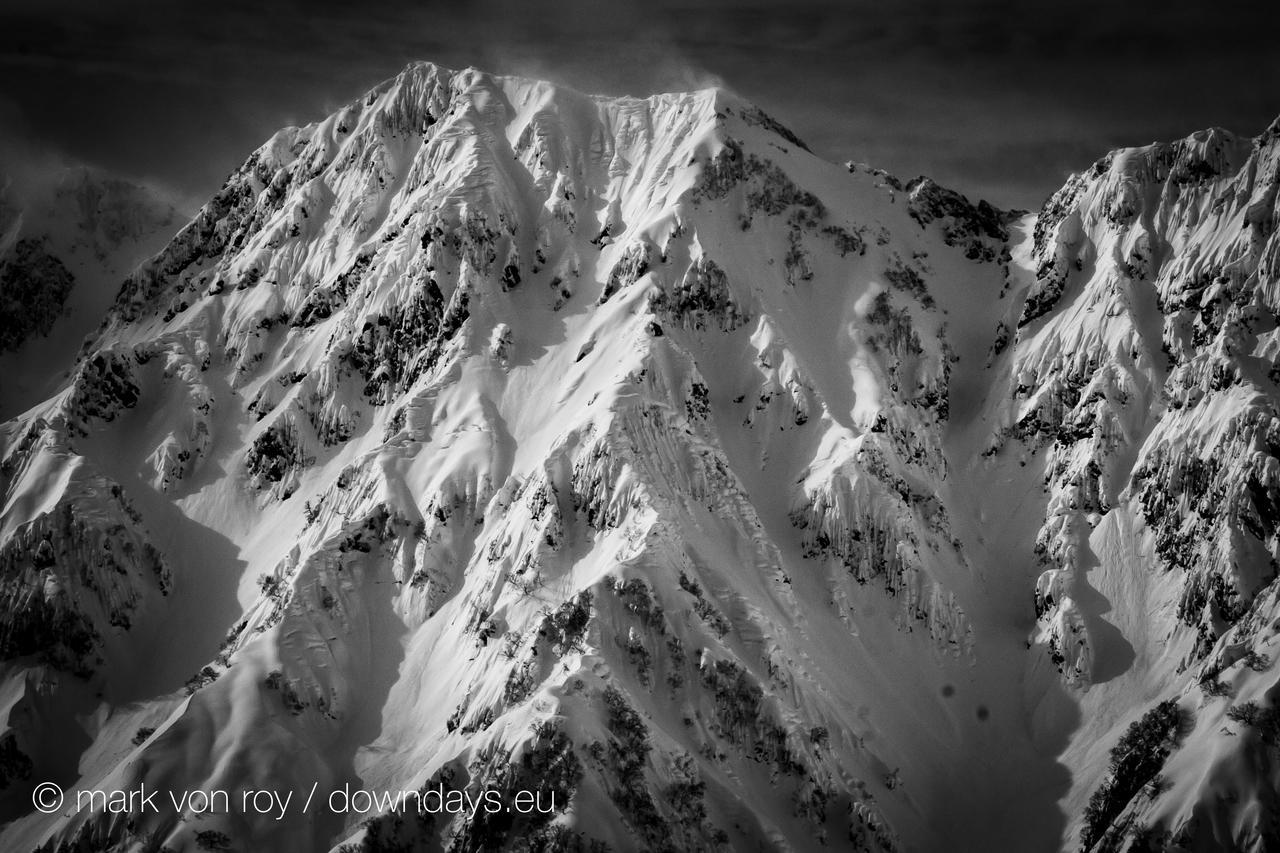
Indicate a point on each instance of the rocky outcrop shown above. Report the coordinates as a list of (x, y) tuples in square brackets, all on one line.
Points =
[(34, 285)]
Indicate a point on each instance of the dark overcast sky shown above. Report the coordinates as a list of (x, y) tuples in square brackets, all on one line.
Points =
[(998, 98)]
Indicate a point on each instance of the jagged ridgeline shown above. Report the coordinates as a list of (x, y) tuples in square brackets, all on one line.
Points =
[(488, 435)]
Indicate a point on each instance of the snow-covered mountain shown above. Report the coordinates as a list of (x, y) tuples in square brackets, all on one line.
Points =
[(488, 435), (1142, 378), (69, 234)]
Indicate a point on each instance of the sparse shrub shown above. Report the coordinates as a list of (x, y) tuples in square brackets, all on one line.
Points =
[(1211, 686), (293, 701), (1257, 661), (1265, 720), (566, 626), (211, 839), (639, 656), (273, 454), (511, 642), (206, 675), (628, 752), (520, 684), (1136, 760), (705, 609)]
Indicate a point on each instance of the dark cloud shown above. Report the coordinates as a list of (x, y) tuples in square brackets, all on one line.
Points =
[(995, 97)]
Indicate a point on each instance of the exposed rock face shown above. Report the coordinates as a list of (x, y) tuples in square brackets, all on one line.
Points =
[(980, 229), (619, 451), (33, 289)]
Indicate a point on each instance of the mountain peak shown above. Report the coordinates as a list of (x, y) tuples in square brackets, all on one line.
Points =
[(489, 435), (570, 339)]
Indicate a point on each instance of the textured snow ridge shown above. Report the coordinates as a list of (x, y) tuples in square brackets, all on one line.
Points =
[(486, 434)]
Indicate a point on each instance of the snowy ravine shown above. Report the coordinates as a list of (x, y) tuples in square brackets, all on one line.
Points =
[(488, 435)]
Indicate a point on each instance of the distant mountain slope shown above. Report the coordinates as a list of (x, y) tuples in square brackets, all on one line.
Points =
[(491, 435), (69, 235)]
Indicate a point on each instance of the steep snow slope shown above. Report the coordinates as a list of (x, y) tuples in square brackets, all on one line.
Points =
[(69, 235), (487, 434), (1142, 376)]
